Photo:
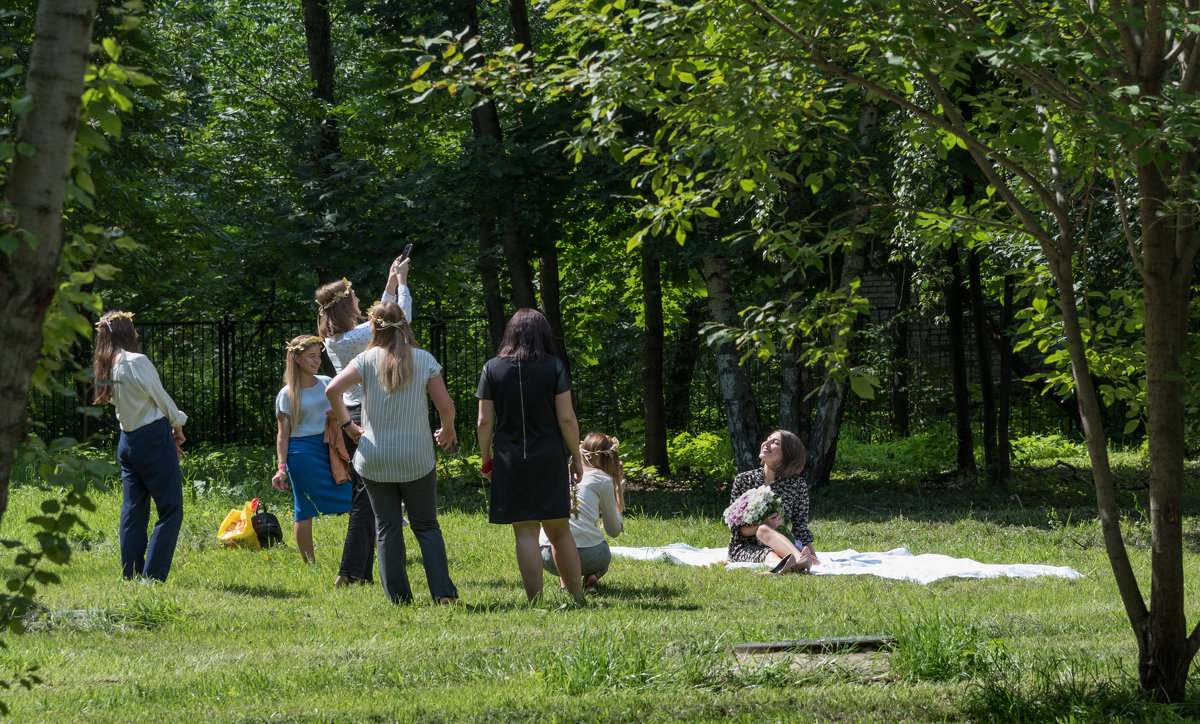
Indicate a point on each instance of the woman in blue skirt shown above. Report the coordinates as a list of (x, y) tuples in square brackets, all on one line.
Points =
[(303, 455), (151, 433)]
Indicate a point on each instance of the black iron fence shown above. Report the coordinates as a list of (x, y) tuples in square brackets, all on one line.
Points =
[(225, 375)]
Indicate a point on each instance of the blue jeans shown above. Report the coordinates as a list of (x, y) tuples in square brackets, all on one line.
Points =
[(149, 472)]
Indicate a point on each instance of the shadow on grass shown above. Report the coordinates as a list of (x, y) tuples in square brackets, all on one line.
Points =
[(259, 591)]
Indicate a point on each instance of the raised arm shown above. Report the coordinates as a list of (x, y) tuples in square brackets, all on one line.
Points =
[(397, 287)]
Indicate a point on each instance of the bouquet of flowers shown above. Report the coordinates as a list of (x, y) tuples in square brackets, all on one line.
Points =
[(753, 506)]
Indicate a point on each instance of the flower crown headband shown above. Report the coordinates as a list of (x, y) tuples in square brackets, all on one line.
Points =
[(108, 320), (304, 344), (611, 452), (338, 296), (384, 324)]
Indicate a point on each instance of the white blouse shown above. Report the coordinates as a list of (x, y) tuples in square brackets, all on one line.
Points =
[(138, 393), (595, 499), (344, 347)]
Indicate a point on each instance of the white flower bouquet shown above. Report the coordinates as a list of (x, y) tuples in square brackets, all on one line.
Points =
[(753, 506)]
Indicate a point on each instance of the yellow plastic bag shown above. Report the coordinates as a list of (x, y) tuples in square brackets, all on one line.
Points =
[(236, 530)]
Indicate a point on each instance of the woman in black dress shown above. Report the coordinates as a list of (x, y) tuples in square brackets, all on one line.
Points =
[(528, 435)]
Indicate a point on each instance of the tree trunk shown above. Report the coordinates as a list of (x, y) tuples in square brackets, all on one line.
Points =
[(519, 273), (486, 129), (552, 303), (987, 391), (652, 365), (740, 409), (1168, 254), (683, 366), (493, 300), (900, 334), (1092, 420), (831, 400), (318, 36), (791, 397), (1004, 407), (33, 203), (958, 361)]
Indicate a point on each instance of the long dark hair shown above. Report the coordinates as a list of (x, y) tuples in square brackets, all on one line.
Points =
[(527, 337), (114, 334), (794, 454)]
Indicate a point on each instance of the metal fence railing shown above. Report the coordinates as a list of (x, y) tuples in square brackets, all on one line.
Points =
[(225, 374)]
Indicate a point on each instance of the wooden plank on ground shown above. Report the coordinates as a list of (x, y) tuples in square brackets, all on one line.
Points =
[(821, 645)]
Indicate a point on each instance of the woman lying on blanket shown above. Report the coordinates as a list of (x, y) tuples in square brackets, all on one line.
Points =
[(782, 455)]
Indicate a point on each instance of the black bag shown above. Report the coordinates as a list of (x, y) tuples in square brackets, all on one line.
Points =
[(266, 527)]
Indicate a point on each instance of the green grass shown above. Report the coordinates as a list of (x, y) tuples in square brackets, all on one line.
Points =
[(255, 635)]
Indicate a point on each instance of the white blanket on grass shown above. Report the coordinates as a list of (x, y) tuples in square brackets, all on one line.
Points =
[(897, 563)]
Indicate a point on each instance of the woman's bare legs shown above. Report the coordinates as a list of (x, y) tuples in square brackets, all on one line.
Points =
[(529, 557), (782, 547), (304, 541), (566, 555)]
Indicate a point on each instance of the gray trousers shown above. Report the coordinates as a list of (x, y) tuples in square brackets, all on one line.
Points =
[(593, 559), (420, 498)]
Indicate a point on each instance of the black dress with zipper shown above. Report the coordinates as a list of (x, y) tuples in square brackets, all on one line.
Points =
[(530, 478)]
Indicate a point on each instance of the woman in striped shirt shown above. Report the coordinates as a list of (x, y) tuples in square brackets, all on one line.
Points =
[(395, 456)]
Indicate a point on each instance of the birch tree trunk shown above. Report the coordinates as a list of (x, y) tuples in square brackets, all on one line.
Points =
[(740, 409), (32, 208), (831, 400)]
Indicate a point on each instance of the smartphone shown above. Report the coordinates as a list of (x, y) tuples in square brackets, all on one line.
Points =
[(404, 254)]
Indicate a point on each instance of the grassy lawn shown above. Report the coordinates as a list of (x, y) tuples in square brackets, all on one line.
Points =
[(255, 635)]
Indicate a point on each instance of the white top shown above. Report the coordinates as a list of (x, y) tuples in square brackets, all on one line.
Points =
[(595, 498), (138, 394), (354, 341), (396, 445), (313, 406)]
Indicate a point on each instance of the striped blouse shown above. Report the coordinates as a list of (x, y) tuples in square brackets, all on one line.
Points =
[(396, 444)]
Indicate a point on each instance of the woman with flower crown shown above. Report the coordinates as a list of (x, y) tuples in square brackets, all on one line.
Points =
[(300, 409), (347, 333), (151, 433), (395, 456), (598, 497), (782, 455)]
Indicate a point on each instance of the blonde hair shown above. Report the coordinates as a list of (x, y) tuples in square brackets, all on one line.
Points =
[(338, 313), (114, 334), (599, 451), (390, 330), (291, 372)]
